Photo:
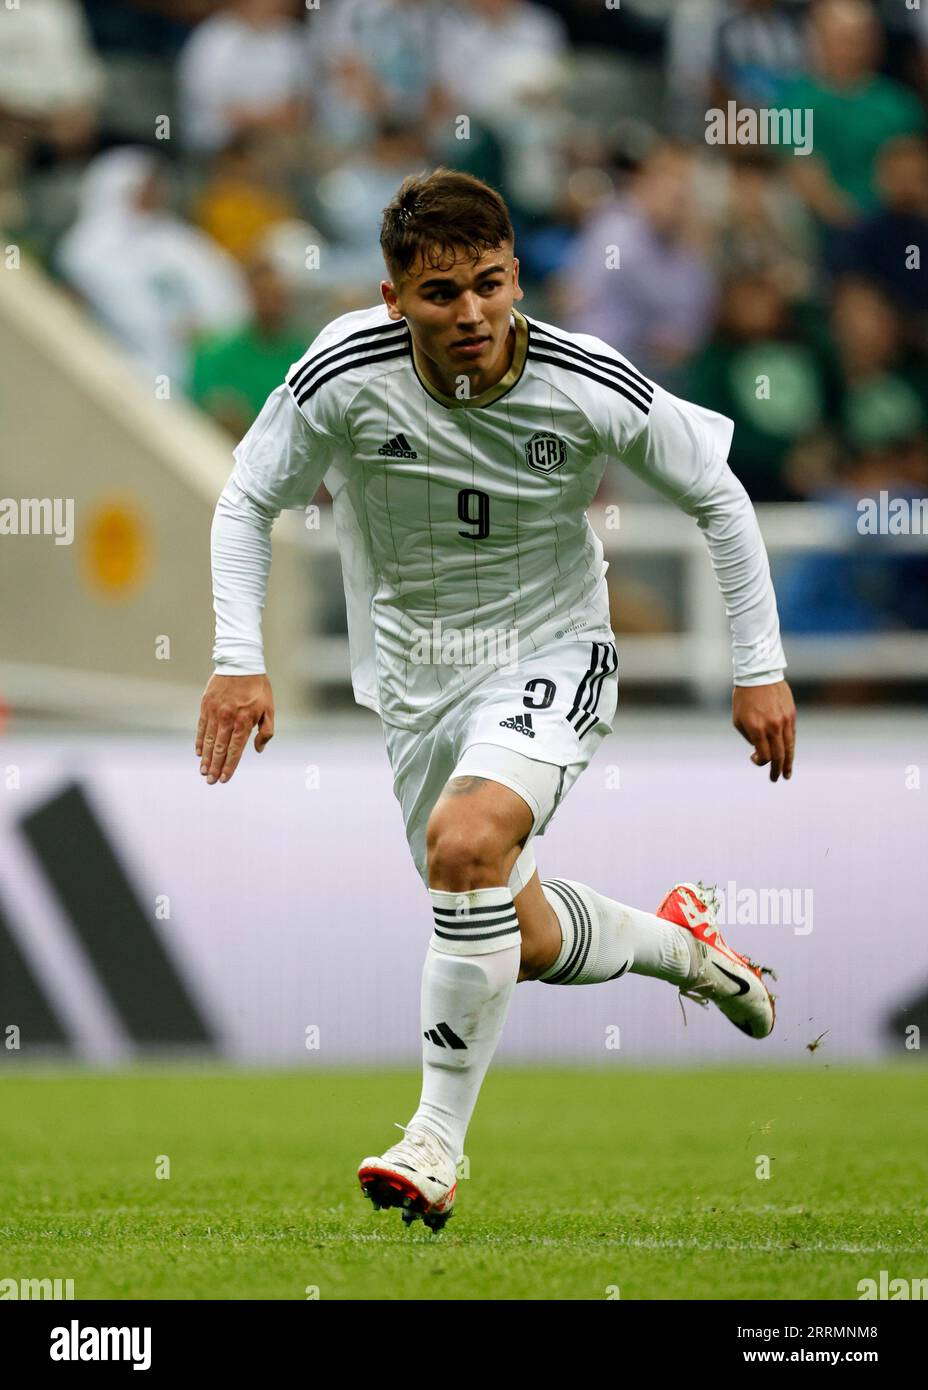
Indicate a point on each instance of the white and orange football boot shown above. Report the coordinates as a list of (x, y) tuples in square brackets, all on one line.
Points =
[(417, 1175), (720, 976)]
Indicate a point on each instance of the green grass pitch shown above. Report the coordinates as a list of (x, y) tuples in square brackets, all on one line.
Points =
[(582, 1184)]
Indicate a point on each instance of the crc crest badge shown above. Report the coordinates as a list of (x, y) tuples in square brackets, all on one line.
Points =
[(545, 452)]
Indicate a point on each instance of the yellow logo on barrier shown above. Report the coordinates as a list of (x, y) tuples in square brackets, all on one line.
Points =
[(116, 549)]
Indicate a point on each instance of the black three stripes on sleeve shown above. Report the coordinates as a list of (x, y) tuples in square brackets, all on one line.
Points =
[(544, 346), (357, 350)]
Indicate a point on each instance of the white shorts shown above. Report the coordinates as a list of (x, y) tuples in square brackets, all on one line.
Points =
[(533, 727)]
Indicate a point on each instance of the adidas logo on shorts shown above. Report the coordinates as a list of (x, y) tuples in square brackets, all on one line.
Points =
[(398, 447), (522, 723)]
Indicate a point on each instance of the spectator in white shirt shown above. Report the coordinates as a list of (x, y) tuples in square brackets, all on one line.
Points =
[(152, 280), (51, 80), (483, 41), (245, 68)]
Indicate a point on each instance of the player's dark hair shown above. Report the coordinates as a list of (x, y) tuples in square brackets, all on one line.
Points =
[(434, 216)]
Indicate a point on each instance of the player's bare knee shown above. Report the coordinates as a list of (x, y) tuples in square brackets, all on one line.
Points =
[(461, 859)]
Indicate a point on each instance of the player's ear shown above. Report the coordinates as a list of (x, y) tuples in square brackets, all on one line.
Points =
[(389, 298), (518, 292)]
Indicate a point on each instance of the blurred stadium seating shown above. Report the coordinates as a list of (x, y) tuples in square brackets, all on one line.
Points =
[(189, 190), (204, 180)]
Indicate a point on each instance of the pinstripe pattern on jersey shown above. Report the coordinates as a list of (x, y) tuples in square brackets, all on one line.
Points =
[(358, 349), (582, 927), (545, 346), (603, 661)]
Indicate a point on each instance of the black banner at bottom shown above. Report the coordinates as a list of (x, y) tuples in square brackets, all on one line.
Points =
[(243, 1337)]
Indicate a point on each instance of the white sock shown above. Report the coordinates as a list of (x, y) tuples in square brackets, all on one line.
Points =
[(602, 939), (467, 983)]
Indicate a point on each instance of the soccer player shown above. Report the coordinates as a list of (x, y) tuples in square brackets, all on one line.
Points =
[(462, 443)]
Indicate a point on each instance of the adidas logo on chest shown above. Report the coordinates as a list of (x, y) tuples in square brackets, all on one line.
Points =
[(398, 447)]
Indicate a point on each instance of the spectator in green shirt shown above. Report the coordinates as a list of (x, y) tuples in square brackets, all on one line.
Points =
[(854, 109), (234, 374), (775, 387), (882, 394)]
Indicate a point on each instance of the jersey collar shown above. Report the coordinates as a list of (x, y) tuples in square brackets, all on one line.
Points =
[(499, 388)]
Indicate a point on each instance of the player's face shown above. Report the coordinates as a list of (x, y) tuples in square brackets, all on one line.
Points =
[(459, 315)]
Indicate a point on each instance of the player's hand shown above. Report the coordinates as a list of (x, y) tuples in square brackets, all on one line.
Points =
[(766, 716), (230, 708)]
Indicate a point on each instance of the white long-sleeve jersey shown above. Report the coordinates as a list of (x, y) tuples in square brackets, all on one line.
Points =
[(470, 513)]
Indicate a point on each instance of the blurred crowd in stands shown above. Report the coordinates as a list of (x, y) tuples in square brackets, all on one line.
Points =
[(208, 177)]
